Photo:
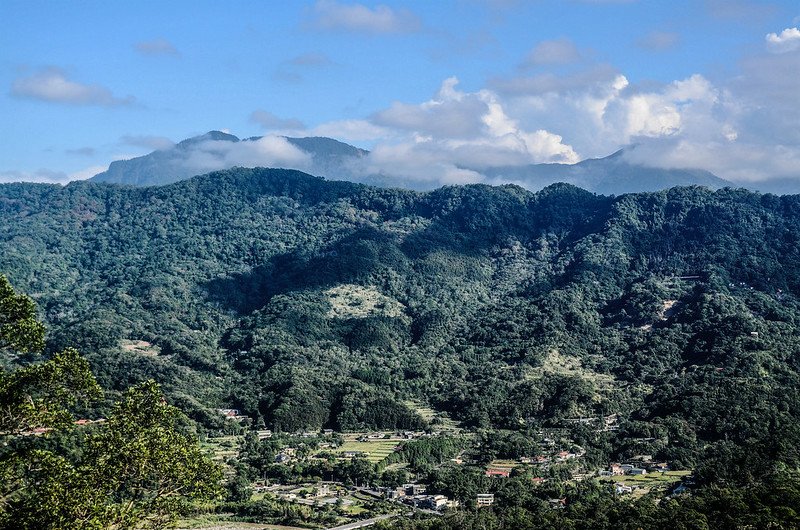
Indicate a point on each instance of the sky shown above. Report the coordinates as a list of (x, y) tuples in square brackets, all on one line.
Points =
[(435, 89)]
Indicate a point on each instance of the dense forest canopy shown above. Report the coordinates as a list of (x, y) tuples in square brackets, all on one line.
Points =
[(306, 304)]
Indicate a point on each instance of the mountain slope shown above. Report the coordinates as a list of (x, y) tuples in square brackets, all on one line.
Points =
[(307, 303)]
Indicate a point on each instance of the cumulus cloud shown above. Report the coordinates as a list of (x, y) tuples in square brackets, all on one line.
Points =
[(335, 16), (549, 52), (743, 128), (744, 131), (268, 151), (269, 121), (156, 47), (53, 85), (450, 138), (787, 40), (472, 128), (450, 114)]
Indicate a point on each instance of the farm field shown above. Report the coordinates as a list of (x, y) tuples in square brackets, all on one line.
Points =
[(651, 481), (374, 450)]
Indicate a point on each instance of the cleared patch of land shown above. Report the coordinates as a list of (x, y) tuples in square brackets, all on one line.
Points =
[(504, 465), (557, 363), (374, 450), (357, 301), (221, 449), (142, 347), (668, 309), (440, 421), (656, 481)]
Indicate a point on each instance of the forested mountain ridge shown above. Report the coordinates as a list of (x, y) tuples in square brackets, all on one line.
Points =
[(307, 303)]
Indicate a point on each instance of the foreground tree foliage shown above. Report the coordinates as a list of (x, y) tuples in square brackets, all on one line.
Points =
[(134, 470), (20, 331)]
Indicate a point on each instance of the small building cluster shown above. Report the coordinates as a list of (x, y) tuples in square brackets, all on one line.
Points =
[(415, 495), (484, 499)]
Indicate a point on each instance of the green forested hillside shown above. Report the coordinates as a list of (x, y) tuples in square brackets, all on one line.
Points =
[(309, 304)]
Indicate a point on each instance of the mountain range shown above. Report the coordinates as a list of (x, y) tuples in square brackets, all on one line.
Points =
[(530, 320), (336, 160)]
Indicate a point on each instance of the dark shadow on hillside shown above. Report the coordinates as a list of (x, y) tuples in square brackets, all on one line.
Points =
[(359, 258), (467, 222)]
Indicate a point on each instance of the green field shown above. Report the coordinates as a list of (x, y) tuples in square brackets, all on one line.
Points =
[(506, 465), (652, 481), (221, 449), (374, 450), (440, 421), (220, 522)]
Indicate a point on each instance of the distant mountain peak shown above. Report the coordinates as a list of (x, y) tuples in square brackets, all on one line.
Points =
[(328, 158), (209, 136), (610, 175), (322, 145)]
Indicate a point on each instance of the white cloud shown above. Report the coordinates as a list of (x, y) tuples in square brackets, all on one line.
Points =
[(351, 130), (336, 16), (451, 137), (450, 114), (46, 176), (472, 128), (787, 40), (743, 128), (52, 85), (268, 151), (271, 122), (156, 47)]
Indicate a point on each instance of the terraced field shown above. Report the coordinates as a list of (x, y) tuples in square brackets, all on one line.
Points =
[(374, 450), (651, 482)]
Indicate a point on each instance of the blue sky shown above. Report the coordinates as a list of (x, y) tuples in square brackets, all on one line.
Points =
[(432, 87)]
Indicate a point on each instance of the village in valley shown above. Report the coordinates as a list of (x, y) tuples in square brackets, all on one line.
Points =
[(368, 476)]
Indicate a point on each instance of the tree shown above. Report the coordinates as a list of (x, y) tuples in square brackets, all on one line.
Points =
[(40, 395), (19, 329), (134, 471)]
